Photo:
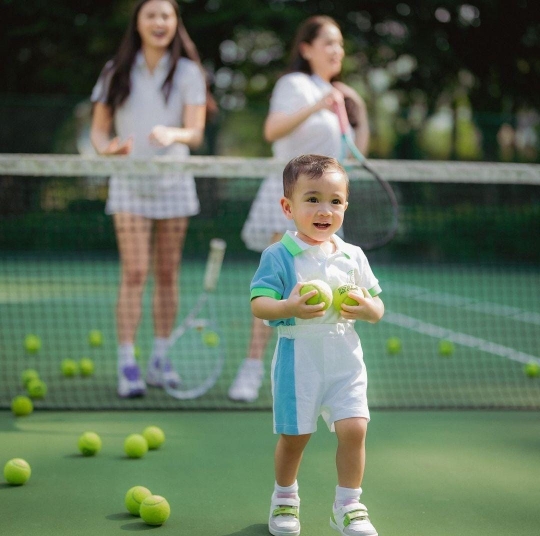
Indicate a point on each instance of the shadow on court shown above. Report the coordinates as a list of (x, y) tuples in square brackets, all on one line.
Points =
[(253, 530)]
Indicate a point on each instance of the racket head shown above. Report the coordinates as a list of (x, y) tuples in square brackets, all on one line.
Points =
[(197, 355), (371, 220), (373, 212)]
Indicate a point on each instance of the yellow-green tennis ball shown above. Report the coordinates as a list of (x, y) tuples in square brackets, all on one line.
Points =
[(21, 406), (324, 293), (95, 338), (135, 446), (137, 352), (155, 510), (89, 444), (154, 437), (32, 344), (446, 348), (134, 497), (210, 338), (17, 471), (69, 367), (532, 369), (28, 375), (86, 366), (36, 388), (393, 345), (341, 296)]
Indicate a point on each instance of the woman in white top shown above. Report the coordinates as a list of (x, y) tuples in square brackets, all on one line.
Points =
[(300, 121), (150, 100)]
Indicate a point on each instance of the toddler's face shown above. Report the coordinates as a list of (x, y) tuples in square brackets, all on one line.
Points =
[(317, 206)]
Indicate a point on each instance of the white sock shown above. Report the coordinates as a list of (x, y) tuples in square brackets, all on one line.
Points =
[(126, 354), (346, 496), (255, 362), (159, 349), (286, 492)]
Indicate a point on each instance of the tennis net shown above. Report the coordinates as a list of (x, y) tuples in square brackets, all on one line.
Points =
[(460, 281)]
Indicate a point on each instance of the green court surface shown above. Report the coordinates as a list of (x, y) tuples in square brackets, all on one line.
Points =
[(428, 473), (491, 312)]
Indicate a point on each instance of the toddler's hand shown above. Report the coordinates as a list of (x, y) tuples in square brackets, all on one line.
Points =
[(297, 306), (368, 308)]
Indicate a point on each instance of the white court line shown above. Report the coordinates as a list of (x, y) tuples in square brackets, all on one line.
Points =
[(432, 330), (470, 304)]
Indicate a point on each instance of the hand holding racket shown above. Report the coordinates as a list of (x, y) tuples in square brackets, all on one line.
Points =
[(372, 216), (195, 349)]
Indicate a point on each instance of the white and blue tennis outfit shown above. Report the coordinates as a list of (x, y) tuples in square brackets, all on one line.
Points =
[(318, 366), (171, 195)]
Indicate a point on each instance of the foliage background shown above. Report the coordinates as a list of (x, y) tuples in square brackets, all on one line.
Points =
[(448, 70)]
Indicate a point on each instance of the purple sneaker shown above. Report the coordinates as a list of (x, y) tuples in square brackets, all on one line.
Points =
[(130, 383), (161, 373)]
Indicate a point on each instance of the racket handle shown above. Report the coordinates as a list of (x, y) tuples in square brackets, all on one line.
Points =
[(213, 264), (341, 112)]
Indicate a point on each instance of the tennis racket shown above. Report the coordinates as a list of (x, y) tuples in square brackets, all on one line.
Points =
[(372, 215), (196, 348)]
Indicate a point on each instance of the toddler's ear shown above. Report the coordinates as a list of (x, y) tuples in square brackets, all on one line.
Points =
[(286, 207)]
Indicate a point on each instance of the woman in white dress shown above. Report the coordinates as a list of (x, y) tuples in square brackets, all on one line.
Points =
[(300, 121), (150, 100)]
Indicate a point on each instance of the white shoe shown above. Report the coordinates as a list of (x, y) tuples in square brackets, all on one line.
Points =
[(161, 373), (284, 517), (352, 520), (246, 385), (130, 383)]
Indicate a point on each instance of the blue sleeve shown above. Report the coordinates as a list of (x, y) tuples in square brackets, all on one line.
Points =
[(269, 279)]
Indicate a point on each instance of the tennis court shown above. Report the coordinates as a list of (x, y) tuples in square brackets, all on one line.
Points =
[(446, 473), (453, 441), (63, 299)]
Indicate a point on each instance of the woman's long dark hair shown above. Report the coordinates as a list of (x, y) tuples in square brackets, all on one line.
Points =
[(180, 46)]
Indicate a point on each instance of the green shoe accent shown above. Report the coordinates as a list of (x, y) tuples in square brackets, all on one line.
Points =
[(355, 514), (286, 511)]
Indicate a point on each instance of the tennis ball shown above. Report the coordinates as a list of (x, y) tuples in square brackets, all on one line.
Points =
[(17, 471), (89, 444), (29, 374), (154, 437), (341, 295), (32, 344), (137, 352), (21, 406), (86, 366), (393, 345), (324, 293), (95, 338), (155, 510), (532, 369), (210, 338), (446, 348), (69, 367), (36, 388), (135, 446), (134, 498)]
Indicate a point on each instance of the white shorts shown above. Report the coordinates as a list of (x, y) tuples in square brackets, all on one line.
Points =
[(317, 370), (162, 197)]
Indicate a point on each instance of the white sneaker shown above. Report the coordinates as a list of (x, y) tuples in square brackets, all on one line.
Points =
[(130, 383), (161, 373), (352, 520), (284, 517), (246, 385)]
